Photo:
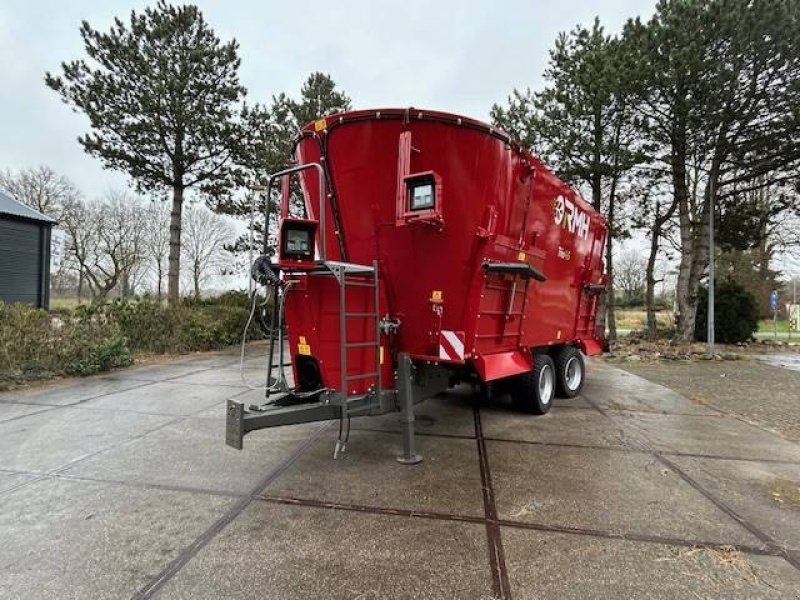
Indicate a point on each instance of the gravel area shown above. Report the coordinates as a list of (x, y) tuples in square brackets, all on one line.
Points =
[(762, 394)]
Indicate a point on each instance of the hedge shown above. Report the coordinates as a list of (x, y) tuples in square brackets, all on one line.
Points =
[(35, 344)]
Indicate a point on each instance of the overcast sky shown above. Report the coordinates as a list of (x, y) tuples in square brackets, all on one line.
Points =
[(454, 56)]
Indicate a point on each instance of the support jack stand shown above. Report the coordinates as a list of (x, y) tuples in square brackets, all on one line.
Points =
[(406, 390)]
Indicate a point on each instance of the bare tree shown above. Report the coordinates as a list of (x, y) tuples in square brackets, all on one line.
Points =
[(630, 274), (203, 247), (156, 242), (109, 243), (80, 221), (41, 188)]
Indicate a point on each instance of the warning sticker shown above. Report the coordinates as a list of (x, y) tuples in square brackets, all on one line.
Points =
[(302, 347), (436, 296), (320, 125)]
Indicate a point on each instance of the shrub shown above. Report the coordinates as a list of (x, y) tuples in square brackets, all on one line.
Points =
[(89, 339), (735, 314), (149, 325), (154, 327), (36, 345)]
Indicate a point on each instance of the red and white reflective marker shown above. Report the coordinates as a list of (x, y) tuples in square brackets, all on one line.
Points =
[(451, 345)]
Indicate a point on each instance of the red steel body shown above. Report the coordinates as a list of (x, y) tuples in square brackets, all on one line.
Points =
[(494, 203)]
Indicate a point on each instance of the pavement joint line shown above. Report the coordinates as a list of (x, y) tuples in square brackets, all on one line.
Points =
[(791, 557), (125, 442), (53, 473), (781, 461), (618, 448), (460, 518), (145, 485), (170, 379), (128, 410), (37, 412), (174, 566), (240, 386), (639, 537), (722, 411), (80, 405), (454, 436), (752, 528), (365, 508), (595, 405), (22, 484), (567, 445), (501, 587), (778, 461), (624, 412), (411, 513), (79, 402)]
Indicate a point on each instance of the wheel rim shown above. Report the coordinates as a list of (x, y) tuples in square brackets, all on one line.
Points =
[(546, 384), (573, 373)]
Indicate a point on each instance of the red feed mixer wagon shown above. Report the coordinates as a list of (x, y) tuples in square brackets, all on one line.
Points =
[(431, 249)]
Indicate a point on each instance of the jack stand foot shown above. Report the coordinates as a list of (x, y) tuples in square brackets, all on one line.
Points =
[(414, 459), (338, 450)]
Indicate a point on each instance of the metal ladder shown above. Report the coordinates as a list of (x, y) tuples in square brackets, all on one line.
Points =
[(350, 275)]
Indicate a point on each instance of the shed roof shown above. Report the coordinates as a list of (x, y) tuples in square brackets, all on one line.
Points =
[(9, 206)]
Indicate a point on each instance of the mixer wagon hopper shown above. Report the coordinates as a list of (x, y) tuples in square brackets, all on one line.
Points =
[(430, 250)]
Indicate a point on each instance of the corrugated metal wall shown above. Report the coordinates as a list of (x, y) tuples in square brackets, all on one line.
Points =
[(23, 256)]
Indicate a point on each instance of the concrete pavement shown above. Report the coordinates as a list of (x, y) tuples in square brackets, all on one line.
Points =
[(120, 486)]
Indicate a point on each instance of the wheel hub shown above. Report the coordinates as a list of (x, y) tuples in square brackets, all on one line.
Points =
[(546, 384)]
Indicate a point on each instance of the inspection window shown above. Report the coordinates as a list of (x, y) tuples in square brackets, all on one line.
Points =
[(297, 241), (422, 195), (423, 199)]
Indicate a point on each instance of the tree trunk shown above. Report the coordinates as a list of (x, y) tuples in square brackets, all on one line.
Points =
[(196, 273), (650, 290), (685, 299), (597, 177), (126, 284), (174, 271), (608, 295), (80, 286), (160, 274)]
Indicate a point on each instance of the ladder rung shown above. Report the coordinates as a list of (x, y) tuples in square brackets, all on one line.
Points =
[(361, 314), (358, 284), (361, 376), (361, 345)]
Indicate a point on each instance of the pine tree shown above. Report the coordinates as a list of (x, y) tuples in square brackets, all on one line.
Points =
[(269, 143), (161, 93), (581, 124), (716, 94)]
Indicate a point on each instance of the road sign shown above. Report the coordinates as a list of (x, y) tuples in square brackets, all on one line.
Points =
[(773, 300)]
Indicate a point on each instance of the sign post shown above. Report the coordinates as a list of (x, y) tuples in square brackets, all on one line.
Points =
[(773, 304)]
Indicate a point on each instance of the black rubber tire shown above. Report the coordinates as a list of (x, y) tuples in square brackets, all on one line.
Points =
[(566, 358), (525, 388), (484, 392)]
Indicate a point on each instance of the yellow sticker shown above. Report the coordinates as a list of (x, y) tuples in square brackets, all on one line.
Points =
[(304, 349), (320, 125), (521, 256), (436, 295), (381, 354), (303, 340)]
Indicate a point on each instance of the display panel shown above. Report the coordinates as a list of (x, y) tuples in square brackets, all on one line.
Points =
[(297, 242), (421, 196)]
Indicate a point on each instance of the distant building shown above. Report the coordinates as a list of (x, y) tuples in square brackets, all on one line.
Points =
[(24, 253)]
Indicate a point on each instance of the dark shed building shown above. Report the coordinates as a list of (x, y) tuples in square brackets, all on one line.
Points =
[(24, 253)]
